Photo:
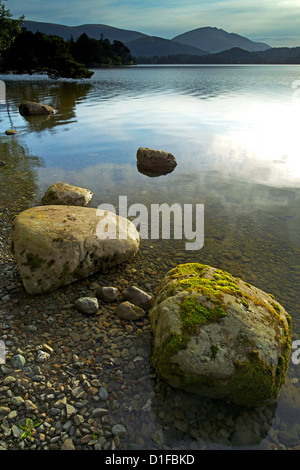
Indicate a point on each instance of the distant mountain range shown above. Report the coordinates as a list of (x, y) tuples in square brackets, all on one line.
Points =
[(217, 40), (201, 41), (236, 55)]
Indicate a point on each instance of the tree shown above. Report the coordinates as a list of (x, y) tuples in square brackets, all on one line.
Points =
[(9, 28), (38, 53)]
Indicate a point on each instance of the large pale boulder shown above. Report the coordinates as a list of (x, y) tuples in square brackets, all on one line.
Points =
[(219, 337), (67, 195), (155, 161), (56, 245), (30, 108)]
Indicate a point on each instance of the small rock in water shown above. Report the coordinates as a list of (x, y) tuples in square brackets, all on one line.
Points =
[(128, 311), (43, 356), (108, 294), (138, 297), (11, 132), (119, 430), (18, 361), (30, 108), (67, 195), (87, 305)]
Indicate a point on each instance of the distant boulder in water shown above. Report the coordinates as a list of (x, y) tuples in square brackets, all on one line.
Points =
[(155, 162), (30, 108)]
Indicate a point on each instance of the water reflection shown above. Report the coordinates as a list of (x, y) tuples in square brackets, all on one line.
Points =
[(62, 96), (18, 177)]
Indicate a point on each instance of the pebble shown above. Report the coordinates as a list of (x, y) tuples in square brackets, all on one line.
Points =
[(11, 132), (119, 430), (138, 297), (87, 305), (128, 311), (108, 294)]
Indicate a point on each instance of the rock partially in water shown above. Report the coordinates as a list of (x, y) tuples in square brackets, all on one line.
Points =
[(56, 245), (30, 108), (108, 294), (11, 132), (155, 161), (128, 311), (219, 337), (67, 195), (138, 297)]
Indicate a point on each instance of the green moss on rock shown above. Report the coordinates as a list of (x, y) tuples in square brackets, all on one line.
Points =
[(200, 292), (33, 261)]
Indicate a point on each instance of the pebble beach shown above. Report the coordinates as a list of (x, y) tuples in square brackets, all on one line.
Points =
[(72, 381)]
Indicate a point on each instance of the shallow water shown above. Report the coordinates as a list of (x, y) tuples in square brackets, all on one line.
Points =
[(234, 133)]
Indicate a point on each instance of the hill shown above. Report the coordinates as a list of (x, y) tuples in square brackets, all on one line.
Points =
[(197, 42), (217, 40), (92, 30), (151, 46), (236, 55)]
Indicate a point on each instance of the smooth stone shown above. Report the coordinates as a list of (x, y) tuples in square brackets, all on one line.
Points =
[(108, 294), (30, 108), (156, 161), (87, 305), (11, 132), (138, 297), (54, 246), (119, 430), (99, 412), (67, 195), (128, 311)]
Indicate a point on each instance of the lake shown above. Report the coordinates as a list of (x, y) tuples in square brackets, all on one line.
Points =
[(234, 131)]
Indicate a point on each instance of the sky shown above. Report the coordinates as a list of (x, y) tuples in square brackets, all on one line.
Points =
[(275, 22)]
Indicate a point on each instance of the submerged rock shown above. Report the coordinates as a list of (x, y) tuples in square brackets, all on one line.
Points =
[(87, 305), (157, 162), (56, 245), (108, 294), (67, 195), (30, 108), (128, 311), (11, 132), (138, 297), (219, 337)]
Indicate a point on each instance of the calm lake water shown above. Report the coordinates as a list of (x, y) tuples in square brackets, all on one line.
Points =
[(234, 131)]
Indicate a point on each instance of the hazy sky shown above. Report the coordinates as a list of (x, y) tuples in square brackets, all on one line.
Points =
[(275, 22)]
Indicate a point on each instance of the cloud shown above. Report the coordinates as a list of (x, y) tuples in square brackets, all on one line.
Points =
[(275, 21)]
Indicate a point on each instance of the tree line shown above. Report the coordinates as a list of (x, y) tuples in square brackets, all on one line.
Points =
[(25, 52)]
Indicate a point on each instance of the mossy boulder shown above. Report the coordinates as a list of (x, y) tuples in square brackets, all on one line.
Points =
[(56, 245), (219, 337)]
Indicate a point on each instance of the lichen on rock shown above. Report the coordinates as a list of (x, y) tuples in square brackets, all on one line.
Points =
[(219, 337)]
